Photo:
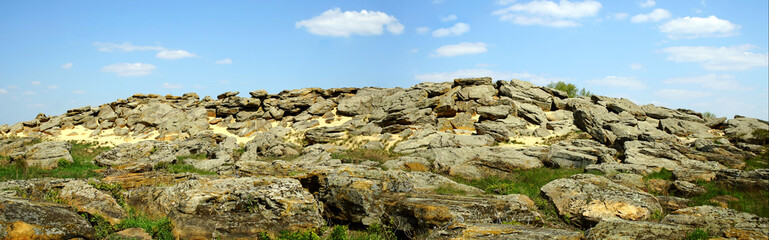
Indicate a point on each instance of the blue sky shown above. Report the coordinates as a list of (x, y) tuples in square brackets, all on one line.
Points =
[(703, 55)]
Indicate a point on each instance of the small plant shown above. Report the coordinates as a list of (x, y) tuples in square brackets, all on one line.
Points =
[(302, 235), (709, 115), (53, 196), (750, 200), (698, 234), (101, 226), (757, 162)]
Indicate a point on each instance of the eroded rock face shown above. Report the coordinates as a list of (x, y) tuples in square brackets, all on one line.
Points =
[(616, 228), (721, 222), (24, 219), (231, 207), (504, 231), (428, 211), (46, 155), (579, 153), (585, 199), (477, 162), (88, 199)]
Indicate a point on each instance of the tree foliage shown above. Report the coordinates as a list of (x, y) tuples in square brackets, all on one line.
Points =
[(570, 89)]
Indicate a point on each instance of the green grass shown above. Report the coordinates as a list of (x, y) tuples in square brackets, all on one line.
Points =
[(697, 234), (199, 156), (114, 189), (361, 155), (663, 174), (449, 190), (158, 228), (82, 166), (755, 201), (526, 182), (757, 162), (181, 168)]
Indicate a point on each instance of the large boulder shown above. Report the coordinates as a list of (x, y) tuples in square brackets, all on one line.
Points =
[(46, 155), (88, 199), (429, 211), (585, 199), (478, 162), (579, 153), (721, 222), (137, 157), (616, 228), (357, 194), (428, 140), (231, 207), (25, 219), (742, 129), (493, 231)]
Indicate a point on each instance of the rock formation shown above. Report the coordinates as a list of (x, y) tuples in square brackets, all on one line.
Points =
[(290, 162)]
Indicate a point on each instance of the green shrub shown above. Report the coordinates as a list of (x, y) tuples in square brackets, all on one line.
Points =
[(198, 156), (708, 115), (570, 89), (303, 235), (113, 189), (449, 190), (339, 232), (100, 225)]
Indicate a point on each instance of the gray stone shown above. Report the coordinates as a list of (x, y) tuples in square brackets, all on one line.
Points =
[(585, 199), (721, 222), (619, 229), (579, 153), (25, 219)]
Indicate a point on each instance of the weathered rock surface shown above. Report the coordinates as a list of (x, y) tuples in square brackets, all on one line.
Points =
[(89, 199), (24, 219), (477, 162), (579, 153), (722, 222), (231, 208), (504, 231), (616, 228), (46, 155), (585, 199)]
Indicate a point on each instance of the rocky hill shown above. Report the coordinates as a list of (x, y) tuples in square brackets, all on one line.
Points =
[(468, 159)]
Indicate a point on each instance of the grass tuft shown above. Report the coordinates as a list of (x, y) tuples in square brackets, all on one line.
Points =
[(755, 201), (663, 174), (181, 168)]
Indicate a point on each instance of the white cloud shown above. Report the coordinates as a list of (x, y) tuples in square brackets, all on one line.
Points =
[(637, 66), (548, 13), (655, 15), (78, 92), (619, 16), (414, 50), (35, 83), (449, 18), (463, 48), (171, 85), (336, 23), (719, 58), (12, 87), (620, 82), (224, 61), (129, 69), (456, 30), (52, 87), (681, 94), (29, 93), (66, 66), (695, 27), (125, 47), (711, 81), (3, 91), (423, 30), (647, 3), (198, 86), (448, 76), (174, 54), (505, 2)]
